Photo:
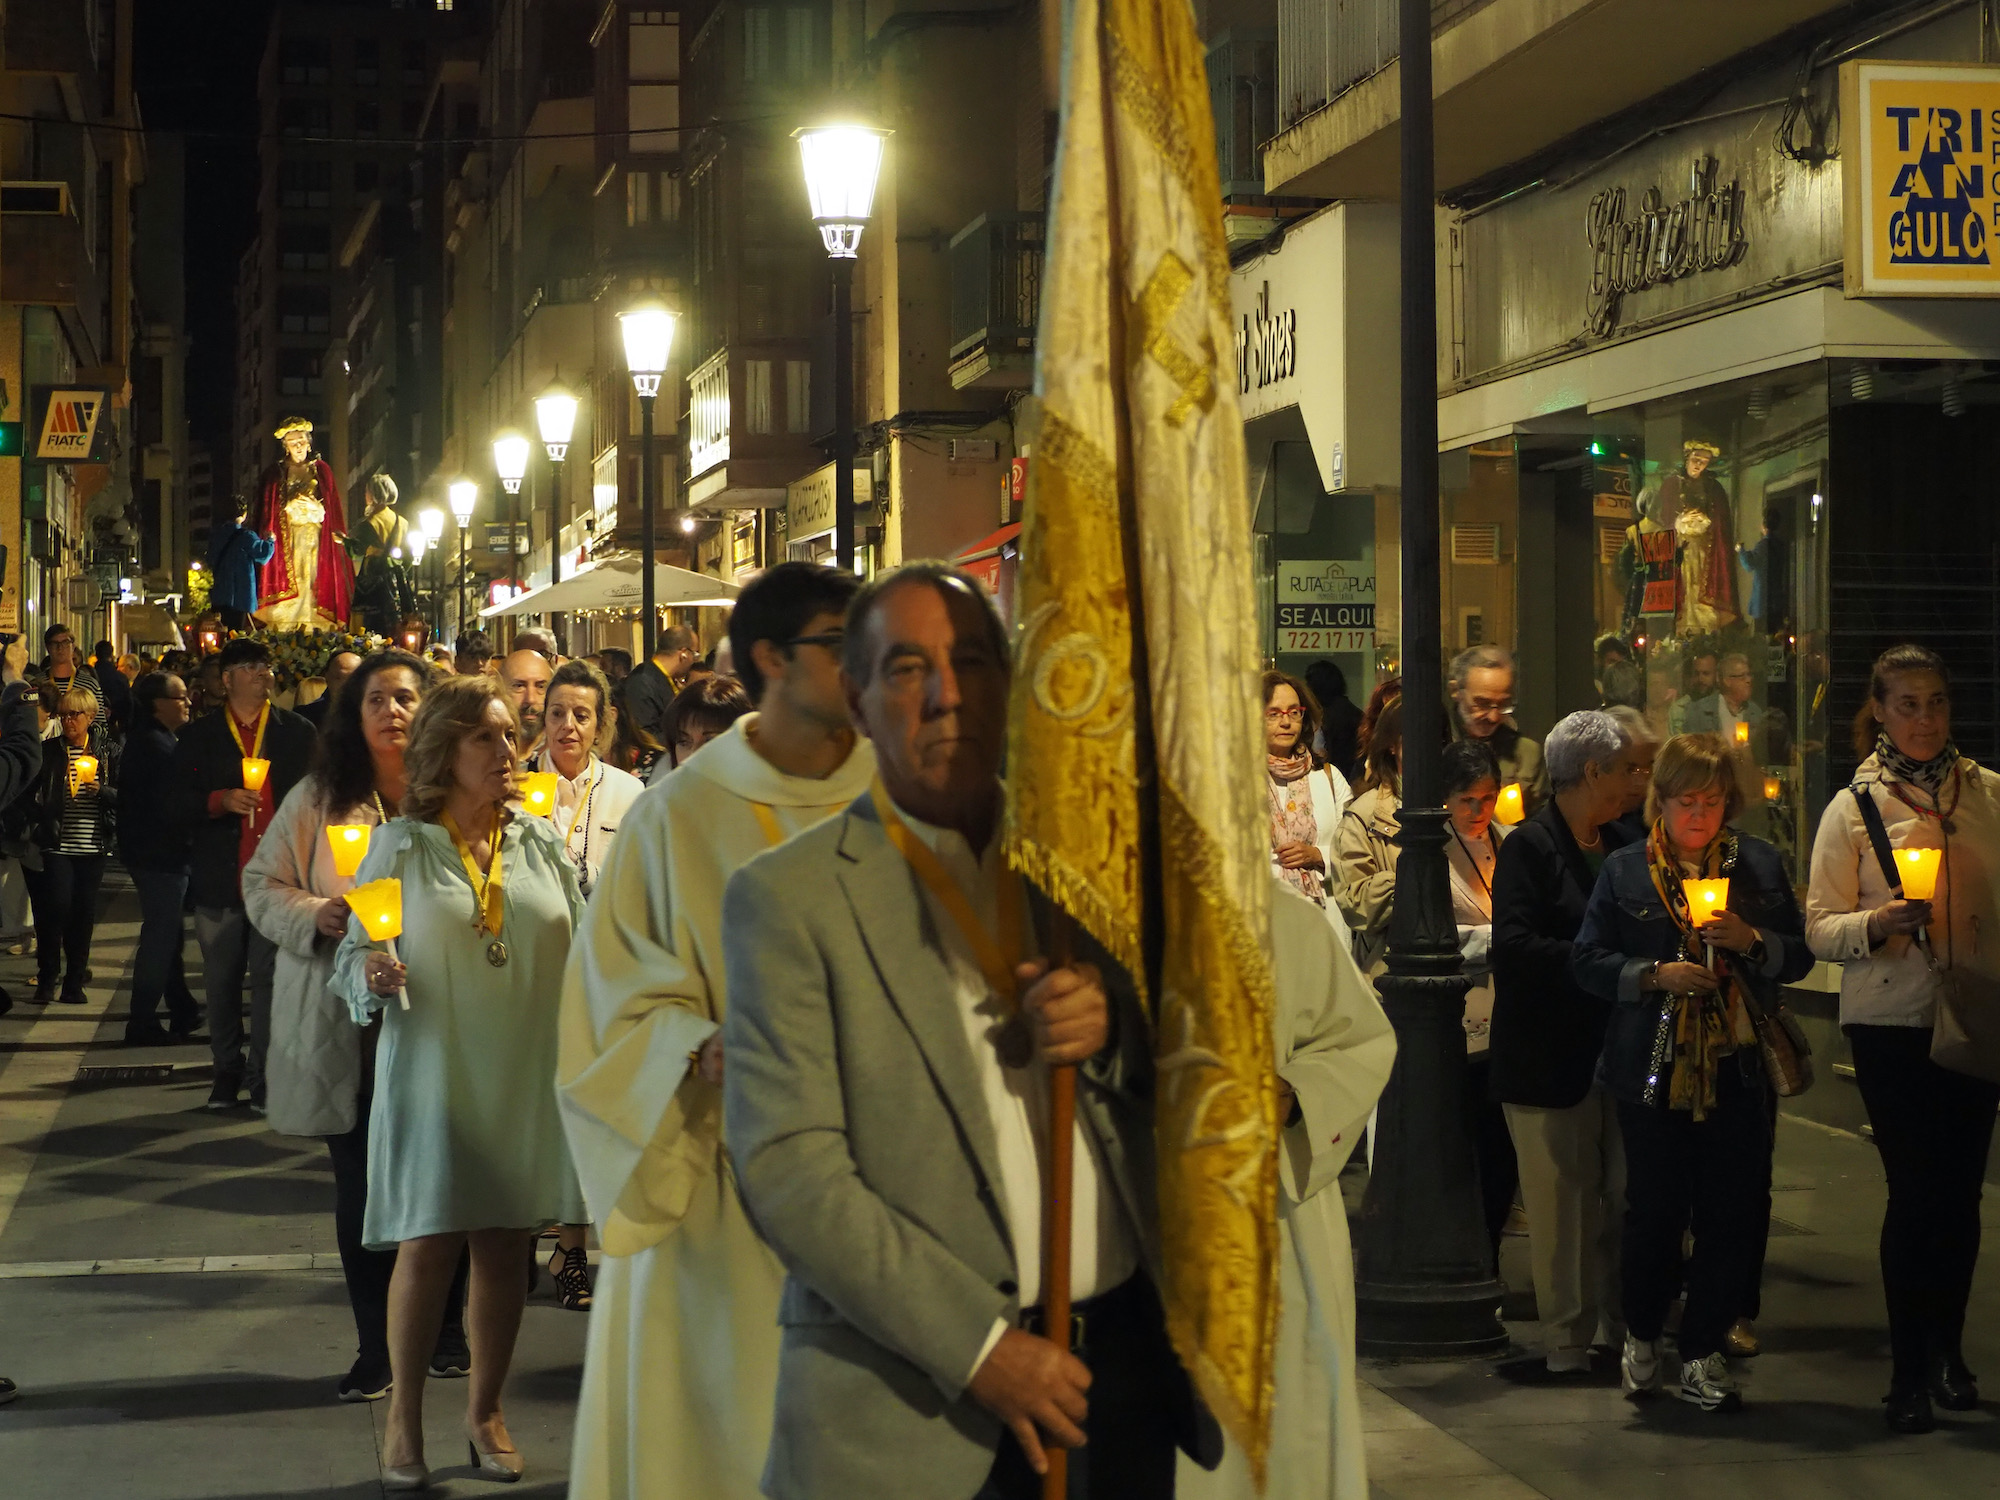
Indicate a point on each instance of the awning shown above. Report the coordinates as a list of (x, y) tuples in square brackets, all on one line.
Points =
[(616, 583), (150, 624), (989, 546)]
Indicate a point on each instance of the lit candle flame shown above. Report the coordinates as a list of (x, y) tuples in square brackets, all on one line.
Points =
[(1706, 899), (254, 772), (538, 793), (1510, 809), (379, 905), (1742, 731), (1919, 869), (349, 843)]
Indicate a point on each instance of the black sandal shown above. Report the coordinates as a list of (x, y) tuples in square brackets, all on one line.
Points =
[(570, 1270)]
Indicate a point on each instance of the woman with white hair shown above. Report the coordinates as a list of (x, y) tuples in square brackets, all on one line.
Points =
[(1547, 1033)]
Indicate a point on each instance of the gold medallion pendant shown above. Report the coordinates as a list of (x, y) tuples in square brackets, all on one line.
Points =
[(496, 954)]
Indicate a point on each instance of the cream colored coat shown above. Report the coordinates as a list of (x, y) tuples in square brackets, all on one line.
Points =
[(1334, 1048), (681, 1369), (1894, 985)]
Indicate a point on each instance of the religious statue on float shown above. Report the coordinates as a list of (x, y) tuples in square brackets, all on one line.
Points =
[(1693, 505), (307, 582)]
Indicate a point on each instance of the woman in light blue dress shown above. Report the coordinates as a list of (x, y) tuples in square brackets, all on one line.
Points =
[(464, 1141)]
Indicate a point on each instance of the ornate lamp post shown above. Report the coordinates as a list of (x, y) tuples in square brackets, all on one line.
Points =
[(430, 520), (510, 462), (464, 496), (648, 332), (1425, 1281), (842, 164)]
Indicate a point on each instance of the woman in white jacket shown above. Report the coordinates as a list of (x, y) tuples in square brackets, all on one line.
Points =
[(1307, 796), (1933, 1125), (321, 1072)]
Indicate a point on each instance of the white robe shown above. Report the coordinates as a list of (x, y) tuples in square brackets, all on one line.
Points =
[(1334, 1048), (681, 1368)]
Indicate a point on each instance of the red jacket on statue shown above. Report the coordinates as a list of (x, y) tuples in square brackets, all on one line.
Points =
[(300, 545)]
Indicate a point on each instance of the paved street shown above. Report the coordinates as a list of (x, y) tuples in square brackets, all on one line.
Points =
[(170, 1304)]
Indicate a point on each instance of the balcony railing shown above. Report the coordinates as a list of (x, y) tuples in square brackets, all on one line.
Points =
[(708, 414), (1243, 95), (996, 300), (1325, 47)]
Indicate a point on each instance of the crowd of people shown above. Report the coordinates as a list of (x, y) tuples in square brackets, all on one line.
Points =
[(1627, 1048), (809, 1137)]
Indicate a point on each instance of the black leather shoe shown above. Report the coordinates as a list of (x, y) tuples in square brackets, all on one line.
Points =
[(154, 1035), (1954, 1387), (1908, 1412)]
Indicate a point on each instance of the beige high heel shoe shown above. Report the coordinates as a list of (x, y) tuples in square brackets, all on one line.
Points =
[(403, 1477), (506, 1466)]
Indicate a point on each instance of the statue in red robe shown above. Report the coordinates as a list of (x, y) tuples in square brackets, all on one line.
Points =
[(308, 582), (1693, 505)]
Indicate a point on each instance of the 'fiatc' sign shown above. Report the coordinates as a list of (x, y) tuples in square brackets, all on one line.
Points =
[(1923, 218), (68, 427)]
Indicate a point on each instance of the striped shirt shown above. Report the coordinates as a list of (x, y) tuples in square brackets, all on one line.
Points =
[(80, 828)]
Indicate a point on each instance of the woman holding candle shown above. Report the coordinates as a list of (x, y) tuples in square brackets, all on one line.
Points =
[(464, 1143), (1940, 814), (1686, 977), (1306, 795), (321, 1068), (75, 831)]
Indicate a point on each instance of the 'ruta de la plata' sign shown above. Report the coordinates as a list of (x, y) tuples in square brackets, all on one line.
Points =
[(1325, 606), (1920, 200)]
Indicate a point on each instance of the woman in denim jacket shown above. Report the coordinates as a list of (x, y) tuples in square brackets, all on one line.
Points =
[(1682, 1062)]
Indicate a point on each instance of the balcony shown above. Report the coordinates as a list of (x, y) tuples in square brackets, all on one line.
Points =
[(1243, 70), (1510, 77), (996, 300), (41, 244), (749, 424)]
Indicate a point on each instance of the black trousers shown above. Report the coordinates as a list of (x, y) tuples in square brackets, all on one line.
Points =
[(367, 1272), (1714, 1177), (1933, 1128), (64, 895), (1136, 1392), (1492, 1148)]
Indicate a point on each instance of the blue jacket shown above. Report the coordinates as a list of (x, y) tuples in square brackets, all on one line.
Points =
[(1627, 929), (235, 553)]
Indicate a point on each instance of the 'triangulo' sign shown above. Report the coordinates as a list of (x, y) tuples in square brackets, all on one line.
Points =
[(1662, 241)]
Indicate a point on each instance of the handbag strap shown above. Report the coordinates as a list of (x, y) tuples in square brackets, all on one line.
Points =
[(1871, 819)]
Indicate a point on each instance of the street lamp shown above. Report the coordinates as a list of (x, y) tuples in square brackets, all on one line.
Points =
[(510, 462), (1425, 1282), (464, 495), (648, 330), (842, 163), (555, 417)]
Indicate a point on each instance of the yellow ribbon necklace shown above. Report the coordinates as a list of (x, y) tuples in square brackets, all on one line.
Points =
[(487, 888), (998, 956), (256, 749)]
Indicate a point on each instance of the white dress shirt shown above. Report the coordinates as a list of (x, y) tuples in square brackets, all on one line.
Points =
[(1103, 1249), (609, 792)]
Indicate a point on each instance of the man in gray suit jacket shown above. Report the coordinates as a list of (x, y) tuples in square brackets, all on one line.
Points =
[(886, 1113)]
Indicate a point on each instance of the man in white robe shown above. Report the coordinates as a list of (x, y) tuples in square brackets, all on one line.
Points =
[(680, 1372), (1335, 1048)]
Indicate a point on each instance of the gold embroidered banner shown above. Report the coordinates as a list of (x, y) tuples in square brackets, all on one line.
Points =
[(1135, 742)]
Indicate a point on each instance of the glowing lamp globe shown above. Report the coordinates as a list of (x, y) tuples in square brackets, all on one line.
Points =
[(555, 419), (647, 330), (510, 460), (464, 496), (431, 520), (842, 164)]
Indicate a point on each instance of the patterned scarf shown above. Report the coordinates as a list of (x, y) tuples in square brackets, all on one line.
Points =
[(1292, 820), (1709, 1027), (1928, 774)]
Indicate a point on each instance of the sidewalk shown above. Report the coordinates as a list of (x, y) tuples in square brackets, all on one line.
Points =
[(1813, 1424), (170, 1300)]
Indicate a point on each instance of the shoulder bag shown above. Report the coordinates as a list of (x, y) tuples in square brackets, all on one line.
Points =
[(1965, 1035)]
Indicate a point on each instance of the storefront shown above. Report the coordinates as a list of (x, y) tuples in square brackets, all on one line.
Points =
[(1728, 399)]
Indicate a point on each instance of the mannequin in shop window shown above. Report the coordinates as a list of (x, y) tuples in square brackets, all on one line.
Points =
[(1694, 505)]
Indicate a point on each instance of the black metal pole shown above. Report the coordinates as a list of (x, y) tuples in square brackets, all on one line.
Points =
[(464, 541), (646, 501), (1424, 1275), (555, 537), (843, 412)]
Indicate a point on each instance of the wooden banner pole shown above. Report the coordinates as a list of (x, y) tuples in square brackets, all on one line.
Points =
[(1056, 1215)]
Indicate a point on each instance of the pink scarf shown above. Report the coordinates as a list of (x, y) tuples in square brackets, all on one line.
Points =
[(1292, 819)]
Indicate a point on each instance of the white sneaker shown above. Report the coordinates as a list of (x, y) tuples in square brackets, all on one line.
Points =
[(1640, 1365), (1708, 1384)]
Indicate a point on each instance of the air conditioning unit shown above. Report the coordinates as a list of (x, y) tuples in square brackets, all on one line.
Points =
[(1479, 543)]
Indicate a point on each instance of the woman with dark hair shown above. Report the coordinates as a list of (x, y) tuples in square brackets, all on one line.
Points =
[(701, 711), (1687, 990), (1364, 846), (1306, 795), (75, 833), (465, 1147), (320, 1074), (153, 846), (633, 750), (1932, 1124)]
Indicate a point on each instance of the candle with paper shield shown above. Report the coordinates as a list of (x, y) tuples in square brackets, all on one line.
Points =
[(1742, 731), (1510, 808), (82, 772), (254, 772), (1774, 789), (538, 793), (1919, 869), (1705, 898), (349, 843), (379, 905)]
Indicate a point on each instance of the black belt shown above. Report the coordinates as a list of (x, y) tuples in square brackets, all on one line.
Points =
[(1105, 1312)]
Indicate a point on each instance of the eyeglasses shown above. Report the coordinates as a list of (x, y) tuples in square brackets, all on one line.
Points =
[(832, 640), (1492, 705), (79, 713), (1279, 715)]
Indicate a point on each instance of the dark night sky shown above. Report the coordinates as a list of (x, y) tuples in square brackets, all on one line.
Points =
[(197, 72)]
